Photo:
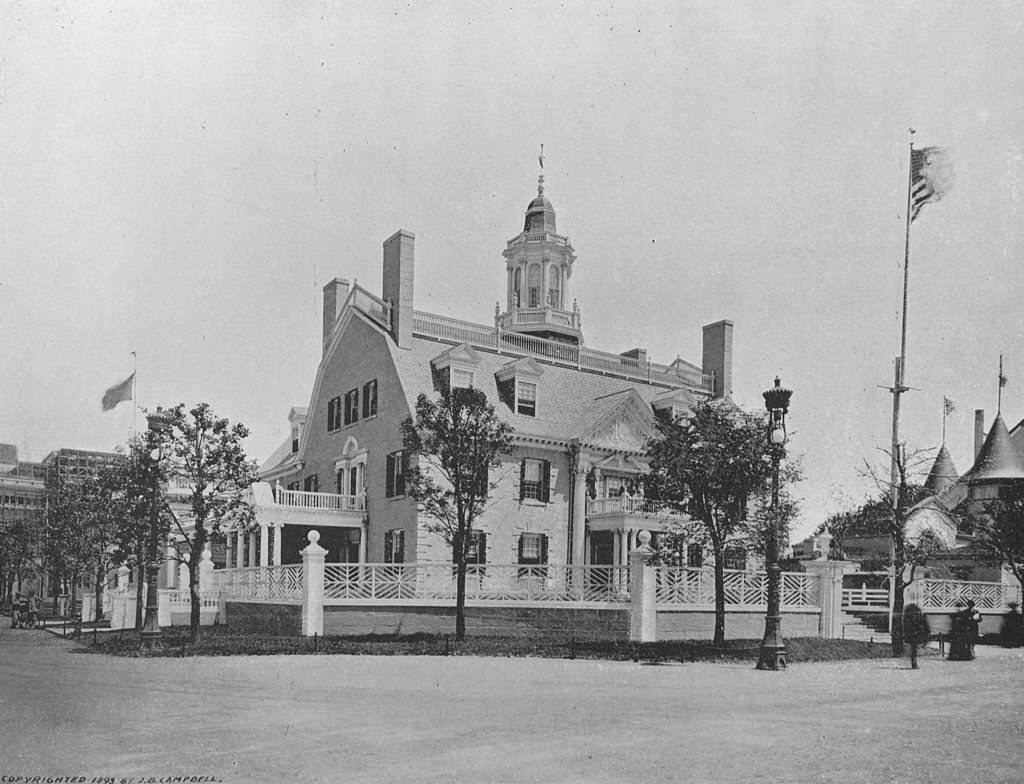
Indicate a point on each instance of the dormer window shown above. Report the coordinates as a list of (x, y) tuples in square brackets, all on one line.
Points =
[(526, 398), (455, 368), (295, 438), (518, 384)]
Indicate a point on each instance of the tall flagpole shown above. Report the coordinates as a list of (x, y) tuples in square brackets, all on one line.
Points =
[(899, 387), (135, 402)]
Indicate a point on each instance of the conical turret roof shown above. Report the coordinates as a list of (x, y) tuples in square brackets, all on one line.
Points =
[(943, 473), (997, 461)]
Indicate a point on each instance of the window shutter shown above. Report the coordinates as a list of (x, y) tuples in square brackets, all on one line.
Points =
[(545, 481), (400, 547), (402, 465), (388, 547), (522, 478), (481, 548), (519, 556), (543, 548), (389, 483)]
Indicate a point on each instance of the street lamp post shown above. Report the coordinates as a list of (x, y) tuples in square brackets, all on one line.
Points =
[(773, 647), (150, 636)]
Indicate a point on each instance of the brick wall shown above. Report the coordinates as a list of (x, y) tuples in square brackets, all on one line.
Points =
[(739, 624), (530, 622), (265, 619)]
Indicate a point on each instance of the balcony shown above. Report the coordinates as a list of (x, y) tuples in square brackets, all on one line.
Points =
[(299, 507), (624, 511)]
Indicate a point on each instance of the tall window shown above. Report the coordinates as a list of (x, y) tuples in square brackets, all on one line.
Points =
[(533, 549), (394, 546), (517, 285), (526, 398), (394, 484), (695, 555), (476, 548), (735, 558), (534, 479), (295, 438), (312, 484), (555, 287), (370, 399), (351, 406), (333, 414), (533, 286)]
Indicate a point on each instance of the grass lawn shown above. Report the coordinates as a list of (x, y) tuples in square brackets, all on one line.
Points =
[(222, 641)]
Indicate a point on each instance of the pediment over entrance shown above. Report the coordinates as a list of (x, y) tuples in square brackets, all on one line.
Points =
[(624, 427)]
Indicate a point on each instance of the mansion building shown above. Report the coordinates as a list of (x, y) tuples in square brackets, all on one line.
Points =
[(571, 490)]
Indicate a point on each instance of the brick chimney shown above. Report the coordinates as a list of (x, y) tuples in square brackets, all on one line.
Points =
[(979, 431), (335, 294), (398, 284), (717, 356)]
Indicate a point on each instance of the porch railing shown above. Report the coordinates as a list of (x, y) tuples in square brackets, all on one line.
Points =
[(484, 583), (180, 599), (682, 585), (630, 505), (951, 594), (327, 502), (279, 583)]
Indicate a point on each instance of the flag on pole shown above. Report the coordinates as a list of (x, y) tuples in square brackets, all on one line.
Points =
[(931, 177), (947, 406), (119, 393)]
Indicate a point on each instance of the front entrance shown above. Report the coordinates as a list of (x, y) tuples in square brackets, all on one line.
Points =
[(602, 559), (341, 544)]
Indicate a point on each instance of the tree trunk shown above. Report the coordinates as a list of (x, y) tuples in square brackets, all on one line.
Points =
[(100, 574), (193, 592), (898, 566), (719, 551), (140, 597)]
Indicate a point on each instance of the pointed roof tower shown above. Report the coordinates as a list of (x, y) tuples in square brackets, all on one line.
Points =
[(943, 473), (998, 461)]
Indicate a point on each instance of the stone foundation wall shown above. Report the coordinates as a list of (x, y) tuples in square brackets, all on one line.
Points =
[(553, 623), (739, 624), (267, 619)]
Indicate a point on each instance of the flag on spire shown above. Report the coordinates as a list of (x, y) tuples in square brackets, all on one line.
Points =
[(119, 393), (947, 406), (931, 177)]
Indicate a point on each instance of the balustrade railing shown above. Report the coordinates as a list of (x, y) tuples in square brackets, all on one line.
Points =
[(180, 599), (262, 582), (863, 597), (451, 330), (688, 586), (630, 505), (484, 583), (953, 594), (329, 502)]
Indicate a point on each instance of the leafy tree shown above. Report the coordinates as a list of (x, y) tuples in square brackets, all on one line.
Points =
[(205, 451), (18, 550), (713, 464), (1001, 530), (452, 444)]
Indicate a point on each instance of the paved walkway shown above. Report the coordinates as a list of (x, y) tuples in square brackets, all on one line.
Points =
[(436, 719)]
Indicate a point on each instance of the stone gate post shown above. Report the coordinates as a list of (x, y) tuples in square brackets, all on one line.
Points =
[(313, 586), (643, 615), (830, 577)]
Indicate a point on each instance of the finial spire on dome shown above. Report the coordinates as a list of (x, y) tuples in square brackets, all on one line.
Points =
[(540, 177), (1002, 383)]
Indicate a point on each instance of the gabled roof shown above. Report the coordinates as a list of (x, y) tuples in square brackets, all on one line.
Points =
[(280, 459)]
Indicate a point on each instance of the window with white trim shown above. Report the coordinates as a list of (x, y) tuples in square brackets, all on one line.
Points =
[(394, 546), (333, 414), (370, 399), (534, 479), (351, 406), (395, 481), (461, 378), (526, 398)]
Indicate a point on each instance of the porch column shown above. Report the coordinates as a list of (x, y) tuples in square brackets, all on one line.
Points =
[(240, 549), (264, 545), (363, 531), (579, 515), (278, 530), (229, 551), (252, 548)]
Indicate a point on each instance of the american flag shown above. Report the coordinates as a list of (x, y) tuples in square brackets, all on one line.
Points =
[(931, 177)]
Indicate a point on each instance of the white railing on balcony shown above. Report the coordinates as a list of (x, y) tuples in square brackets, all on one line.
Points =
[(541, 316), (687, 586), (329, 502), (277, 583), (449, 330), (636, 506), (953, 594), (435, 582)]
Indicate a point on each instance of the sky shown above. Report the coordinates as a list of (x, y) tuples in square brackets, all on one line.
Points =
[(181, 180)]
